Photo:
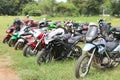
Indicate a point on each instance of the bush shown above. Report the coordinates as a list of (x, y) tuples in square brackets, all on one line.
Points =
[(32, 9), (66, 9)]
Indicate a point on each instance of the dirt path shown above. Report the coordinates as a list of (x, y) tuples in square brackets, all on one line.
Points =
[(6, 73)]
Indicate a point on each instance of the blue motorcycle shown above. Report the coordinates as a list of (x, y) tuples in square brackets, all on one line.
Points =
[(99, 52)]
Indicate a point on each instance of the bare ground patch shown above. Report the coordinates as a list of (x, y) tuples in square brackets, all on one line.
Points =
[(6, 73)]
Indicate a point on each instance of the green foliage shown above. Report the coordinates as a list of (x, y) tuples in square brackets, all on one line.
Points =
[(115, 7), (87, 7), (46, 6), (105, 6), (53, 8), (12, 7), (31, 9), (66, 9)]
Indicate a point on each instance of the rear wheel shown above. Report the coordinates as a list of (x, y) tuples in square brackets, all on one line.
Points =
[(77, 51), (82, 67), (27, 51)]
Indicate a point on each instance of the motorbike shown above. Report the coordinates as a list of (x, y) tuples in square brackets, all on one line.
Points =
[(25, 30), (29, 35), (9, 32), (33, 47), (59, 47), (99, 53), (81, 30), (13, 39), (77, 29)]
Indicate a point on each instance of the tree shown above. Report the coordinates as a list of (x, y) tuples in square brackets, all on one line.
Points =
[(12, 7), (87, 7), (47, 6), (29, 9), (115, 7), (66, 9)]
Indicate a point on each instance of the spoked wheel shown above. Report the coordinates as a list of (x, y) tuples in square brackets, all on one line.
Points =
[(82, 67), (77, 51), (19, 45), (11, 42), (27, 51), (5, 40), (43, 56)]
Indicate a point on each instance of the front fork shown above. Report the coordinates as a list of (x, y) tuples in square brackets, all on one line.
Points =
[(91, 57), (36, 46)]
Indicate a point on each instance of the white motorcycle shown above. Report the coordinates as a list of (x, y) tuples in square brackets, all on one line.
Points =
[(25, 36)]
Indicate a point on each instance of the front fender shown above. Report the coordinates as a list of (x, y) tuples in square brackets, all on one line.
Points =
[(88, 47), (13, 37), (21, 40), (33, 44)]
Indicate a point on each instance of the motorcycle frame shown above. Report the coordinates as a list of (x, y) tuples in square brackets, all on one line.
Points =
[(92, 55)]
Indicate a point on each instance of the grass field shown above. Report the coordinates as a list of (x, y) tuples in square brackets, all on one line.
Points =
[(27, 69)]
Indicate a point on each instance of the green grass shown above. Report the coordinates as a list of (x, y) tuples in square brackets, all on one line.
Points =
[(27, 68)]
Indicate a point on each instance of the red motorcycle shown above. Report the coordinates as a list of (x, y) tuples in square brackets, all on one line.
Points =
[(9, 33), (32, 48)]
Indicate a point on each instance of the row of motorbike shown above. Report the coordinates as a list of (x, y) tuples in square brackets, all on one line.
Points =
[(56, 42), (48, 42)]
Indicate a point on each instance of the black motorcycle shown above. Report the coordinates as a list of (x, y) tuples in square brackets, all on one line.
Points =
[(60, 48)]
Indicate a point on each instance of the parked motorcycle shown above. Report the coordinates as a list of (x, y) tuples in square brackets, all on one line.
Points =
[(59, 47), (17, 34), (77, 28), (29, 35), (9, 33), (33, 47), (13, 39), (81, 30), (99, 53)]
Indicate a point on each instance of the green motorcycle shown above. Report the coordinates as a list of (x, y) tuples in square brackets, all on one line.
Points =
[(13, 39)]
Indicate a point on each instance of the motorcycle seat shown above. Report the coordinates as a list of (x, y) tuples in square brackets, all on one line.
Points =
[(74, 39), (66, 36), (110, 46)]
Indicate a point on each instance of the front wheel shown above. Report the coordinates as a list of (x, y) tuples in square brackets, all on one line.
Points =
[(5, 40), (19, 45), (82, 67), (27, 51), (11, 42), (43, 56)]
